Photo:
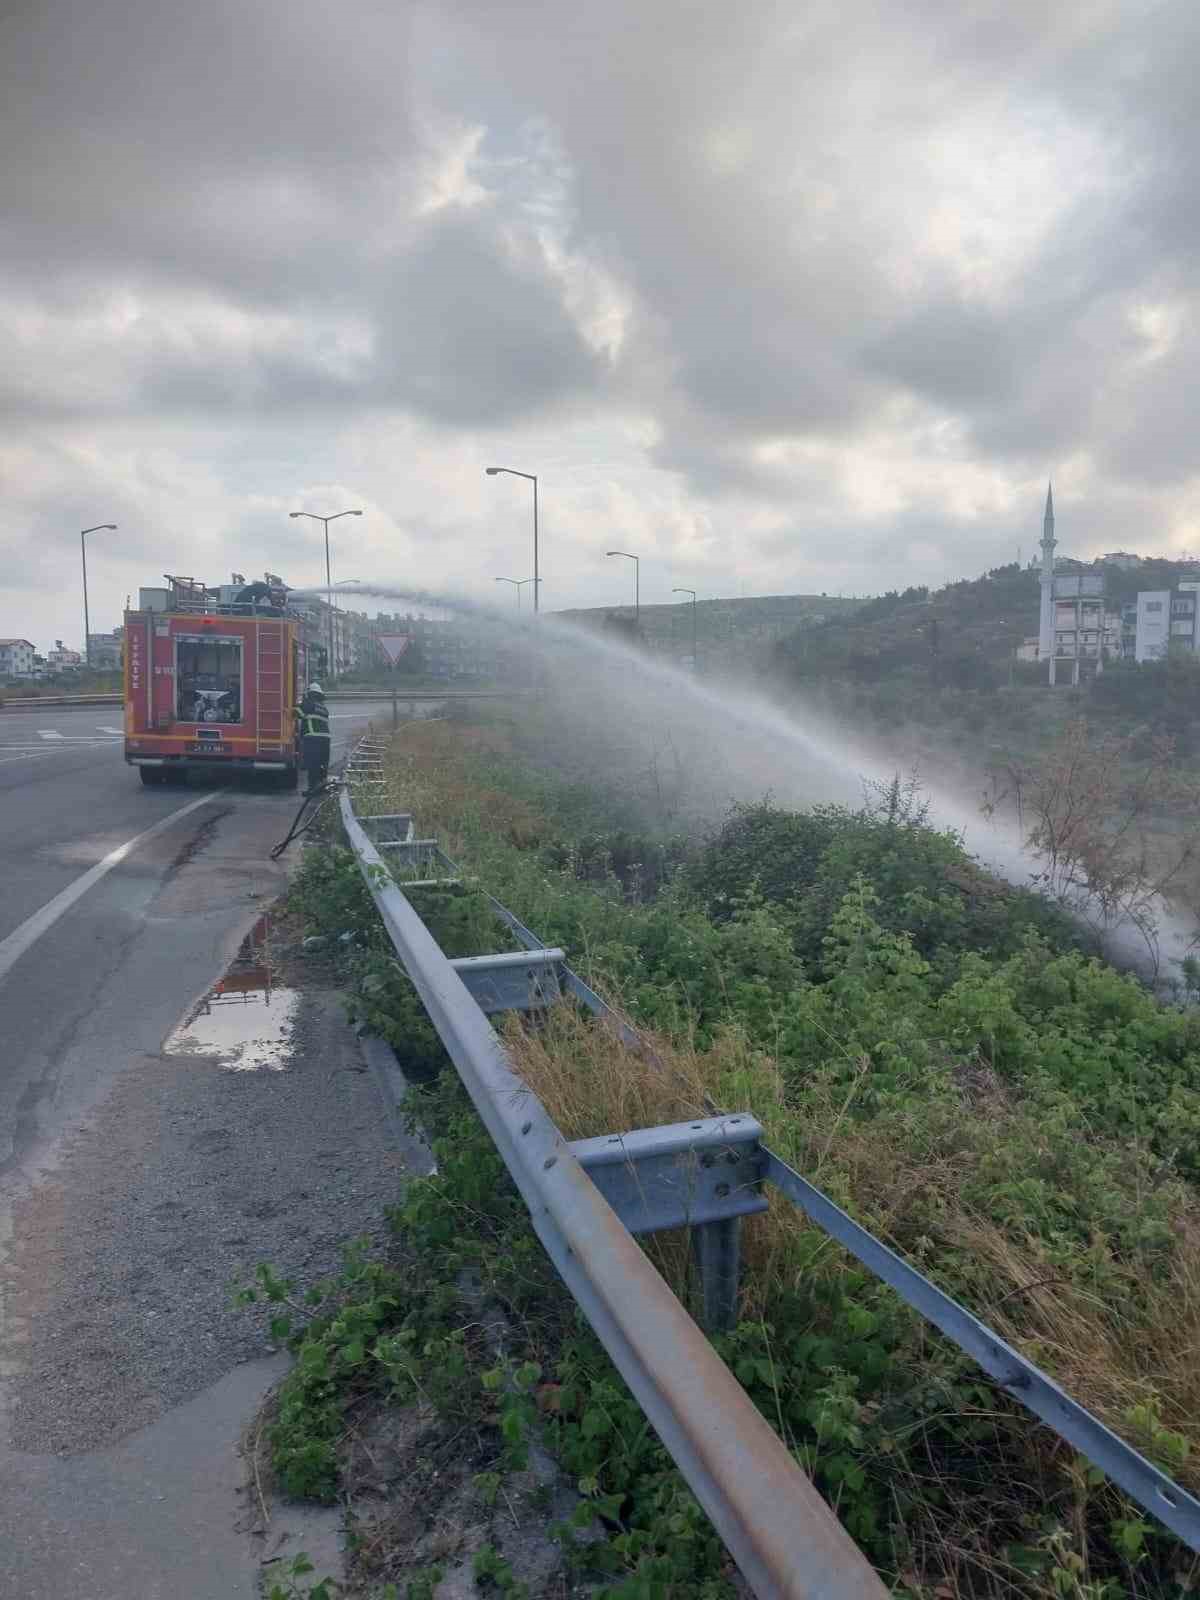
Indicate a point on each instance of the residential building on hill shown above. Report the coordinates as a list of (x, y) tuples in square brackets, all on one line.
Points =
[(1164, 619), (16, 658), (1185, 615)]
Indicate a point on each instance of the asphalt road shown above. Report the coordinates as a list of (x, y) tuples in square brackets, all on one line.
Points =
[(65, 791), (120, 906), (68, 802)]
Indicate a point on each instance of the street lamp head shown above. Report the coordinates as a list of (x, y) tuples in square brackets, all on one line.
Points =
[(356, 513), (295, 513), (492, 471), (111, 526)]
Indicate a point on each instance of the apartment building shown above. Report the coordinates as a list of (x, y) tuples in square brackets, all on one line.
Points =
[(16, 658)]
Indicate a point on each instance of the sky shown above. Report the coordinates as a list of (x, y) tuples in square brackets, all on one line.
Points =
[(794, 296)]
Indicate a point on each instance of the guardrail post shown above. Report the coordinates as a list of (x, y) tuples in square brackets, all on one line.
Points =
[(716, 1250)]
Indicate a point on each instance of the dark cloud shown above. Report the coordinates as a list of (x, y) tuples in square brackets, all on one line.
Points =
[(474, 330)]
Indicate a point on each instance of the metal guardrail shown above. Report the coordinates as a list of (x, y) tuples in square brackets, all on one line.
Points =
[(786, 1541), (657, 1178), (1139, 1478)]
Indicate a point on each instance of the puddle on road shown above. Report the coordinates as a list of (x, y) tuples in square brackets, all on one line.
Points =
[(245, 1019)]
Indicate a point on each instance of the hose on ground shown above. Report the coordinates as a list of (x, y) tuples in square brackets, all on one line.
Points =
[(310, 810)]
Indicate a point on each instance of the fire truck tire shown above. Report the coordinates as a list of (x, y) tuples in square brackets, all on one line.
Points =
[(289, 781), (152, 776)]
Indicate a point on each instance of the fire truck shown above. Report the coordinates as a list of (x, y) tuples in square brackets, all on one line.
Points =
[(212, 676)]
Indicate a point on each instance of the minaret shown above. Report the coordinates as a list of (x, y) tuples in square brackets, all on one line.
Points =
[(1046, 627)]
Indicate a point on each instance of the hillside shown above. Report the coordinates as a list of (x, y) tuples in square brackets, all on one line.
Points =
[(946, 662), (730, 633), (964, 635)]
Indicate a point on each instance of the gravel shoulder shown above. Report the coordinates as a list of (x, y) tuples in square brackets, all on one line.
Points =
[(121, 1329), (189, 1177)]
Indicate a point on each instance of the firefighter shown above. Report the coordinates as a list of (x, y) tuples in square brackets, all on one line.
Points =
[(312, 716)]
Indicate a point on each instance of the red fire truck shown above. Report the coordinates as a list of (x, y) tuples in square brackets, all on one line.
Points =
[(212, 677)]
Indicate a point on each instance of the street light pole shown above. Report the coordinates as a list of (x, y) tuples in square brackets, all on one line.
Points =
[(328, 576), (512, 472), (87, 625), (518, 584), (637, 582), (692, 592)]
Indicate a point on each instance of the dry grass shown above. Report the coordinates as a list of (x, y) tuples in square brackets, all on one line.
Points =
[(431, 770), (1132, 1347)]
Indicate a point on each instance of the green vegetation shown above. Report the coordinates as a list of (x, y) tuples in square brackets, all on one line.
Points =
[(82, 681), (292, 1581), (962, 635), (1158, 699), (932, 1047)]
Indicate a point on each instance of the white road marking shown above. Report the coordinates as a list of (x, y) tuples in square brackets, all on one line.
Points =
[(81, 738), (15, 946), (120, 732), (60, 749), (27, 755), (48, 733)]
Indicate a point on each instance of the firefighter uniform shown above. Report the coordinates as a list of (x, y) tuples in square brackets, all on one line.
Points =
[(312, 716)]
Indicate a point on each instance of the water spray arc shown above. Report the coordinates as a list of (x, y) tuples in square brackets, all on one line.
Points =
[(732, 743)]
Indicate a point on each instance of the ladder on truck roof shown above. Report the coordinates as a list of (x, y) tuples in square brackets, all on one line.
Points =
[(272, 638)]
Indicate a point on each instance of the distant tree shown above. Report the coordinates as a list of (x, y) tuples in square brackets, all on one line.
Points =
[(1084, 810), (1164, 696)]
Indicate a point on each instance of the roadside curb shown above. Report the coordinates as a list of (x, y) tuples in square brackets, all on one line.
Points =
[(394, 1088)]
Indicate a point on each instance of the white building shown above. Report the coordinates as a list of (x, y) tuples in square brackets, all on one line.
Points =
[(60, 659), (16, 658), (1153, 624)]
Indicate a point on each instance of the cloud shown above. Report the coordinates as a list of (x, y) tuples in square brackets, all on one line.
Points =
[(807, 296)]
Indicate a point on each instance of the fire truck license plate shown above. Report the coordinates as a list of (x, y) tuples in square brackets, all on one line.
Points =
[(208, 747)]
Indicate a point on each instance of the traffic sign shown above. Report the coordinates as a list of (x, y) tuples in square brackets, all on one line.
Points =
[(394, 645)]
